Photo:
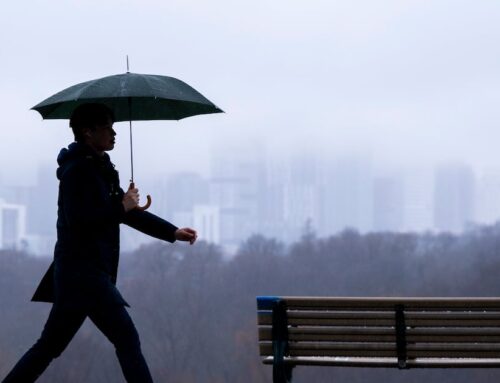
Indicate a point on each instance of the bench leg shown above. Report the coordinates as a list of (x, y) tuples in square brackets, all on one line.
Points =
[(282, 372), (283, 375)]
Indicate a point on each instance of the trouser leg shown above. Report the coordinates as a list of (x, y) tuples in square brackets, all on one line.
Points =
[(116, 324), (62, 324)]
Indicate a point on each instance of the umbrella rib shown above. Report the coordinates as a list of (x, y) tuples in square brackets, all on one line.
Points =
[(86, 86)]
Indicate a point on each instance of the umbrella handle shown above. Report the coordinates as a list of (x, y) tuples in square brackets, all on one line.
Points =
[(148, 197)]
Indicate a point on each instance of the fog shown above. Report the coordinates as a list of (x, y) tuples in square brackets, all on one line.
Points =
[(380, 117), (408, 82)]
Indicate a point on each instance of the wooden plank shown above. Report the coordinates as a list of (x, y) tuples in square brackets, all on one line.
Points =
[(452, 323), (266, 331), (336, 361), (453, 315), (354, 334), (390, 362), (434, 315), (382, 334), (391, 346), (368, 322), (295, 314), (386, 323), (480, 303), (389, 315), (338, 318), (380, 346), (267, 351), (331, 322), (345, 353), (453, 354), (392, 338), (387, 349)]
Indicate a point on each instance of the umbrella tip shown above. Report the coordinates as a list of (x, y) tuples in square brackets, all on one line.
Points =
[(128, 70)]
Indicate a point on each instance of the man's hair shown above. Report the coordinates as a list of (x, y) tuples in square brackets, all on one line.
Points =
[(89, 116)]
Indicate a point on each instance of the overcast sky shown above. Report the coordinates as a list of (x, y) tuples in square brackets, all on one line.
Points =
[(404, 82)]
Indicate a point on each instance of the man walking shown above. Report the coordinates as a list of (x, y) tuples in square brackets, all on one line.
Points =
[(81, 280)]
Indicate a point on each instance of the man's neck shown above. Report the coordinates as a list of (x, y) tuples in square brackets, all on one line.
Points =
[(100, 153)]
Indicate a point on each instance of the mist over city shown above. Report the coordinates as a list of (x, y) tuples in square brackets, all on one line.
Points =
[(251, 191), (357, 155)]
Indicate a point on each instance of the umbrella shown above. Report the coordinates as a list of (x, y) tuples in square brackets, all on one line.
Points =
[(131, 97)]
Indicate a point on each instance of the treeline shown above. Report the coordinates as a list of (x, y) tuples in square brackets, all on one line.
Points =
[(195, 310)]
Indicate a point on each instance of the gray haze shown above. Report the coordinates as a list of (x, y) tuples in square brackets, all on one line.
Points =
[(406, 81), (380, 116), (406, 87)]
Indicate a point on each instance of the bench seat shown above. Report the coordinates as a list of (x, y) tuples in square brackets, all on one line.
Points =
[(378, 332)]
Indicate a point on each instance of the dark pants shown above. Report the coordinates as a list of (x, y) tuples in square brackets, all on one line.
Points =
[(63, 323)]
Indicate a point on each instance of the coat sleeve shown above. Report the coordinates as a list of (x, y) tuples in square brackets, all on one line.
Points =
[(83, 200), (150, 224)]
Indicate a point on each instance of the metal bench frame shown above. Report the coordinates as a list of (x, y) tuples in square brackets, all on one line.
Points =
[(408, 332)]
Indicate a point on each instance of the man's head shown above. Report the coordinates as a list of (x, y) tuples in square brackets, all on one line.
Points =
[(93, 124)]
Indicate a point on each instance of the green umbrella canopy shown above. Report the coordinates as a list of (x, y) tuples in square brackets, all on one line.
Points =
[(132, 97)]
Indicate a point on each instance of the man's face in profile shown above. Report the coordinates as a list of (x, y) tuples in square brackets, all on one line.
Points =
[(102, 138)]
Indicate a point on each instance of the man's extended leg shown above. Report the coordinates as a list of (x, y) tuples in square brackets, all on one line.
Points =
[(60, 328), (115, 322)]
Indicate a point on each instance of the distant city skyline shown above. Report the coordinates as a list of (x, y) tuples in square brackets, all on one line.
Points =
[(256, 192)]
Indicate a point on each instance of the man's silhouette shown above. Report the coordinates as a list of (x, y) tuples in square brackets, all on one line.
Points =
[(81, 280)]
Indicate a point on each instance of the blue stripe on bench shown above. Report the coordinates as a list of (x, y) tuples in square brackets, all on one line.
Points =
[(266, 303)]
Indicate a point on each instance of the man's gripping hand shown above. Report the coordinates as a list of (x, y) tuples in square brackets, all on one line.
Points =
[(130, 199), (186, 234)]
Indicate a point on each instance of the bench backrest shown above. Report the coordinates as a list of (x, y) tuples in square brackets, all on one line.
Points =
[(398, 331)]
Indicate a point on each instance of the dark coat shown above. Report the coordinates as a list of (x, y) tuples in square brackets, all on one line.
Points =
[(90, 210)]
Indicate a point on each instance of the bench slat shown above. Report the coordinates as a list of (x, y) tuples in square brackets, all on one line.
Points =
[(362, 334), (389, 362), (391, 346), (390, 302), (379, 353), (344, 318), (267, 320), (444, 315), (386, 349), (392, 338)]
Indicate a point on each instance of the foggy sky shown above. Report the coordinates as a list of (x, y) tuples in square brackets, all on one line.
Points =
[(407, 83)]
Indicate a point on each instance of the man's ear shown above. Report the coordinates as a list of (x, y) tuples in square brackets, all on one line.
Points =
[(87, 132)]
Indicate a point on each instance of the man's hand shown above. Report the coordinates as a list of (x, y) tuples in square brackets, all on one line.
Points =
[(186, 234), (130, 199)]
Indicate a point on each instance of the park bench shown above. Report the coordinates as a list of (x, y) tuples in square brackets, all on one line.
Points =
[(377, 332)]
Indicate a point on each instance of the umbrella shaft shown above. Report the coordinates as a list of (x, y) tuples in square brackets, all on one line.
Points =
[(131, 144), (131, 153)]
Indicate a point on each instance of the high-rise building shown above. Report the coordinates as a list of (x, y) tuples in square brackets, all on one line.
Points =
[(237, 176), (488, 197), (301, 195), (454, 198), (272, 201), (12, 225), (418, 200), (42, 206), (34, 207), (206, 220), (388, 204), (179, 192), (346, 195)]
